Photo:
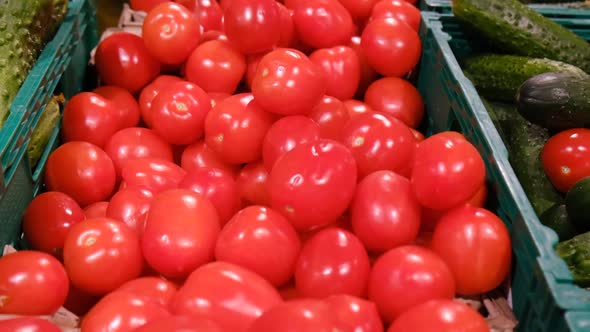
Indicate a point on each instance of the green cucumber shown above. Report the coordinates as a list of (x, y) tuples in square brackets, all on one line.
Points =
[(43, 130), (498, 76), (557, 219), (577, 202), (517, 29), (576, 253)]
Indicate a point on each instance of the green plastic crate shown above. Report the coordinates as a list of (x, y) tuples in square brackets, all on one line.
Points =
[(544, 297), (60, 68)]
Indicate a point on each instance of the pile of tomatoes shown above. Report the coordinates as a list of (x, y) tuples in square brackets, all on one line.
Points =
[(253, 165)]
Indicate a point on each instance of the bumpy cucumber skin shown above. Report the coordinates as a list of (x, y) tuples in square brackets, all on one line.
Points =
[(498, 76), (518, 29), (576, 253), (42, 132)]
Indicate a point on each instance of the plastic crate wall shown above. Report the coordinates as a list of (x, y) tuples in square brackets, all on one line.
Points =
[(61, 65), (543, 295)]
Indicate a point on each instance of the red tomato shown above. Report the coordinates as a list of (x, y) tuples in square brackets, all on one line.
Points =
[(145, 5), (213, 35), (95, 248), (341, 67), (235, 129), (229, 295), (216, 66), (356, 107), (286, 134), (32, 283), (566, 157), (313, 184), (392, 47), (288, 83), (150, 92), (253, 184), (411, 275), (151, 288), (131, 205), (82, 171), (48, 219), (479, 254), (368, 74), (356, 314), (134, 143), (217, 97), (252, 62), (96, 210), (447, 171), (191, 5), (333, 261), (378, 142), (180, 323), (359, 9), (89, 117), (252, 25), (219, 186), (122, 312), (171, 32), (199, 155), (287, 26), (79, 302), (440, 316), (210, 15), (322, 23), (178, 113), (180, 233), (296, 316), (155, 175), (123, 60), (397, 97), (127, 106), (331, 115), (261, 240), (27, 324), (417, 135), (401, 10)]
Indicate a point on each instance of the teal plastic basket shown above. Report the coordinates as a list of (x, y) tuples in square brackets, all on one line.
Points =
[(543, 294), (61, 67)]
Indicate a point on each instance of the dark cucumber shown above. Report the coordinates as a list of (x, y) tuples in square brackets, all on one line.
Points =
[(558, 220), (517, 29), (556, 101), (498, 76), (577, 202)]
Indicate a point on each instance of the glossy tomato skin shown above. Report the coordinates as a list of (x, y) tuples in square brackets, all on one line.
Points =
[(440, 316), (341, 67), (297, 315), (32, 283), (252, 62), (378, 142), (229, 295), (322, 23), (285, 134), (28, 324), (356, 107), (122, 311), (235, 129), (153, 288), (96, 210), (288, 34), (398, 98), (81, 170), (401, 10), (478, 236), (333, 261), (48, 219), (392, 47), (355, 313), (219, 186), (331, 115), (150, 91), (216, 66), (130, 206), (89, 117), (145, 5), (313, 184), (447, 171), (199, 155), (410, 274), (261, 240), (171, 32), (210, 15), (253, 184), (180, 323), (252, 25), (566, 157), (134, 143), (95, 248), (123, 60), (368, 74), (153, 174), (127, 106), (180, 233), (287, 82)]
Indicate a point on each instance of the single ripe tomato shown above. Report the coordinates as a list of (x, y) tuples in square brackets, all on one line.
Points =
[(288, 34), (82, 171), (297, 315), (480, 254), (153, 174), (153, 288), (122, 59), (127, 106), (392, 47), (341, 67), (171, 32), (48, 219), (287, 82), (253, 184), (355, 313), (130, 206), (368, 74), (180, 323), (322, 23), (91, 118), (199, 155), (210, 15), (96, 210), (566, 157), (252, 62), (398, 98), (150, 91), (411, 275), (32, 283), (402, 10), (331, 115), (28, 324), (253, 26), (356, 107)]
